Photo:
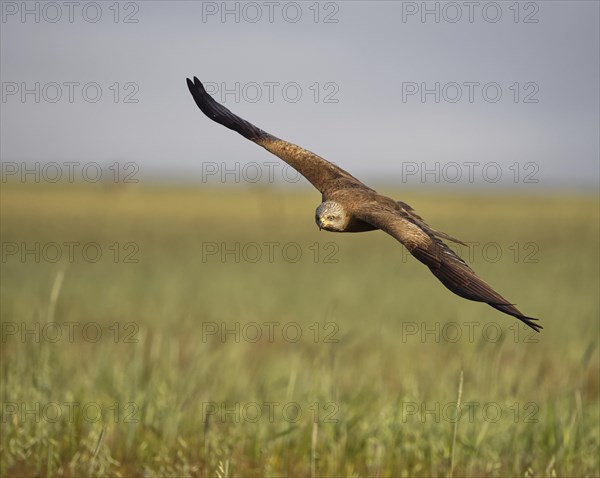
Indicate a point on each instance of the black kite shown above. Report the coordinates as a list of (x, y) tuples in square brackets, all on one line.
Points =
[(350, 206)]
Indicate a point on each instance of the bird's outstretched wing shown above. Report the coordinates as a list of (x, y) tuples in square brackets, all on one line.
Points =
[(450, 269), (322, 174), (414, 217)]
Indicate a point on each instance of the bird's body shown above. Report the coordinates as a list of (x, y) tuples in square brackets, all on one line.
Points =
[(350, 206)]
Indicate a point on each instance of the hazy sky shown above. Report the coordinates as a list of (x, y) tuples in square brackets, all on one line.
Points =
[(388, 90)]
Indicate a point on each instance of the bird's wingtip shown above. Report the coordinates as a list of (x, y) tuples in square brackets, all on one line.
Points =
[(195, 85), (511, 309), (531, 322)]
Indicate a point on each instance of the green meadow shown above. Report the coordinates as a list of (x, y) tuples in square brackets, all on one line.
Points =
[(191, 331)]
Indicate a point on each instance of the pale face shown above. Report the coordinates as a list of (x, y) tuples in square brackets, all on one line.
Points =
[(330, 216)]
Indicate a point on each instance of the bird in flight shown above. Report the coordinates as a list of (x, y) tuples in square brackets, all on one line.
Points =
[(350, 206)]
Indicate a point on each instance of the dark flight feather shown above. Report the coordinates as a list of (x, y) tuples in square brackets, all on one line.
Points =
[(448, 267), (322, 174)]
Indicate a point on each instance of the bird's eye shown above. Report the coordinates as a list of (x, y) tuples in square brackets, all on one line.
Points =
[(330, 218)]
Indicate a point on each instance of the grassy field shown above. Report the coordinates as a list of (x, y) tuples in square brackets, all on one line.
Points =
[(219, 333)]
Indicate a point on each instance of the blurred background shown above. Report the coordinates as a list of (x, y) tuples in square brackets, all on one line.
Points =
[(318, 74), (169, 307)]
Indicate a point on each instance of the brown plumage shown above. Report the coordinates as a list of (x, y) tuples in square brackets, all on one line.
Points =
[(350, 206)]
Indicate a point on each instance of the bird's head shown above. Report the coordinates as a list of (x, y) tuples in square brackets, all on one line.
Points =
[(331, 216)]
